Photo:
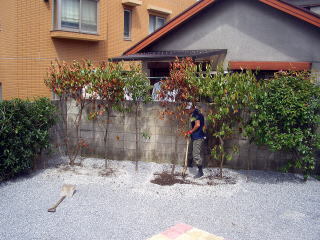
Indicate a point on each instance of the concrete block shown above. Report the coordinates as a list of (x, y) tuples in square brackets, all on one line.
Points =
[(162, 123), (166, 130), (116, 128), (116, 137), (72, 107), (98, 134), (130, 145), (86, 134), (162, 139), (129, 137), (146, 147), (88, 126), (130, 128), (147, 130), (117, 120), (129, 154), (163, 147), (182, 148)]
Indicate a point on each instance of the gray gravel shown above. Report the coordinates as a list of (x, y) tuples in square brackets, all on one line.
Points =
[(126, 206)]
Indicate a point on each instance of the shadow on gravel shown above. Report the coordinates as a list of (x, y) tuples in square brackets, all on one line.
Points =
[(264, 177)]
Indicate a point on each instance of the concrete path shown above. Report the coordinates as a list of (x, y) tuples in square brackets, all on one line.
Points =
[(185, 232)]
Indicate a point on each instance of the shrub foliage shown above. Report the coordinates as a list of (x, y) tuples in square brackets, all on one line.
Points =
[(24, 133), (285, 116)]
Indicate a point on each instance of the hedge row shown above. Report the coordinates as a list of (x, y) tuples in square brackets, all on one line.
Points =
[(24, 133)]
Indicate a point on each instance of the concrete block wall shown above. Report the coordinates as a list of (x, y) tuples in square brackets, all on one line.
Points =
[(163, 146)]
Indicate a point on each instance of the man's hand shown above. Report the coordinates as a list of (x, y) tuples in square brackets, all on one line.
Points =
[(187, 133)]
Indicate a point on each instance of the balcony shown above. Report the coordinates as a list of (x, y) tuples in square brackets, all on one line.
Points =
[(76, 36)]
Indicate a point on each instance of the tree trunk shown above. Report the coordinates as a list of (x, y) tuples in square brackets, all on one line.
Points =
[(64, 111), (137, 134), (77, 124), (222, 156), (174, 162), (105, 140)]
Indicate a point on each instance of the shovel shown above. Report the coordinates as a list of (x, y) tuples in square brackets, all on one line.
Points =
[(186, 160), (67, 191)]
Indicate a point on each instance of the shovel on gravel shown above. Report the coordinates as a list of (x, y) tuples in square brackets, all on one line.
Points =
[(67, 191)]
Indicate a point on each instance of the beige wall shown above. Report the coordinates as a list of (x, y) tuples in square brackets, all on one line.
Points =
[(28, 45)]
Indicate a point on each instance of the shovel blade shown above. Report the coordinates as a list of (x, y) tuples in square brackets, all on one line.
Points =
[(68, 190)]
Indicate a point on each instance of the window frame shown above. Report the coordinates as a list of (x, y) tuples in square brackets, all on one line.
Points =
[(156, 20), (56, 26), (127, 38)]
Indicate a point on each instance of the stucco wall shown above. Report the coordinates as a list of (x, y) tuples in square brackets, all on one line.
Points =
[(250, 31)]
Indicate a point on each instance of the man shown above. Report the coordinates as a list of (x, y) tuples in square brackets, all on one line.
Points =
[(197, 138)]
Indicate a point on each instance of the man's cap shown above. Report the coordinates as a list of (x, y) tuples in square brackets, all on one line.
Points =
[(189, 105)]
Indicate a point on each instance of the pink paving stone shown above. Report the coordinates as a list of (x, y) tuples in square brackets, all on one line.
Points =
[(176, 230), (171, 234), (182, 228)]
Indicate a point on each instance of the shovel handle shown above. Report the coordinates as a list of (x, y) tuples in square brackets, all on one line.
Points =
[(53, 209), (186, 160)]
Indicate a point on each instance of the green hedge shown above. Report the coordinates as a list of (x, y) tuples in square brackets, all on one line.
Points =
[(24, 133), (286, 116)]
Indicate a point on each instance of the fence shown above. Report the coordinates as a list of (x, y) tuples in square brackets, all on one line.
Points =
[(162, 144)]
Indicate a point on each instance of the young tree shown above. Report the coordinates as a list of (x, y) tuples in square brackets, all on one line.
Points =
[(107, 87), (68, 82), (137, 88), (177, 88), (230, 95)]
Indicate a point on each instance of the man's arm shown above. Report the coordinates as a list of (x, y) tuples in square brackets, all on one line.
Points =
[(196, 126)]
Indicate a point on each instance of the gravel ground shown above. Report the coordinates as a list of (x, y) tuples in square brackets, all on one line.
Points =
[(126, 206)]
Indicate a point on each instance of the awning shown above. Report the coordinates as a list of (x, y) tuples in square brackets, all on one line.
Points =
[(200, 55)]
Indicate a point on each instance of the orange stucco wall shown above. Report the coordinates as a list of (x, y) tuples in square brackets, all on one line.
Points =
[(28, 45)]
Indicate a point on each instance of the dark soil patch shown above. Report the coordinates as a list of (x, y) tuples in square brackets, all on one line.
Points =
[(107, 172), (168, 179)]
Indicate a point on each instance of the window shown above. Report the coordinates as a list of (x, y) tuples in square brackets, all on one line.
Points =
[(127, 24), (155, 22), (75, 15)]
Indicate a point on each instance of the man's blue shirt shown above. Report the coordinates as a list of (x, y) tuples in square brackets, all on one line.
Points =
[(198, 134)]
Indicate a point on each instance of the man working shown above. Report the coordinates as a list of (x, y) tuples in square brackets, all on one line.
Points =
[(197, 138)]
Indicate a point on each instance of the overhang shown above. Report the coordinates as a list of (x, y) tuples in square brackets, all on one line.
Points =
[(159, 10), (200, 55), (132, 3)]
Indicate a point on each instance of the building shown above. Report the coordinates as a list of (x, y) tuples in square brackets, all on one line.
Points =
[(269, 35), (33, 33), (312, 5)]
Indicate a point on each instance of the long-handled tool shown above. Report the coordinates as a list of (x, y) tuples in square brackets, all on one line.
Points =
[(185, 160), (67, 191)]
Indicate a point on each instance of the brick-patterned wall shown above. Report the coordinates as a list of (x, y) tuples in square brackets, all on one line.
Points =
[(27, 47), (163, 146), (140, 21), (8, 47)]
